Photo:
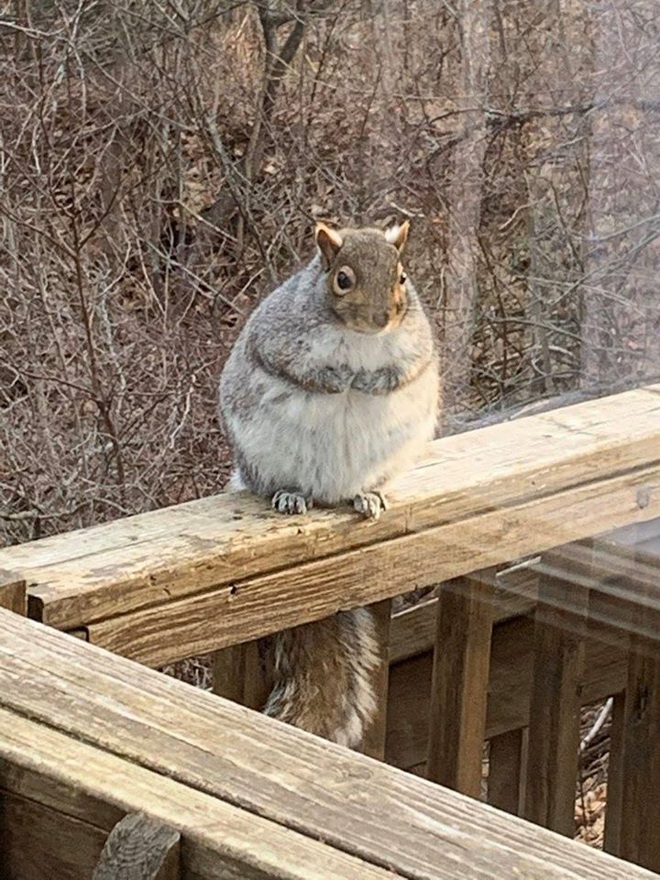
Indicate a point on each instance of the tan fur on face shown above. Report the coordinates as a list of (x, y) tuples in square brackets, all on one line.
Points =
[(378, 300)]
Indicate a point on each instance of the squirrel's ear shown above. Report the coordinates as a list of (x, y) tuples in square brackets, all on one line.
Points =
[(398, 235), (329, 242)]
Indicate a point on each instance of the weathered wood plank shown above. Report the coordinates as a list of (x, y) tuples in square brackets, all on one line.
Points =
[(509, 687), (165, 555), (615, 780), (12, 592), (238, 675), (414, 629), (459, 689), (505, 771), (560, 628), (639, 832), (139, 848), (39, 843), (368, 810), (218, 618), (61, 797), (374, 740), (229, 672)]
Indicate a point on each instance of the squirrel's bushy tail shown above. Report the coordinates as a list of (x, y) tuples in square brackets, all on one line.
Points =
[(324, 675)]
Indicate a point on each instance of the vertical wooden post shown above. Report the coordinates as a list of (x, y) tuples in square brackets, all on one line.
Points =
[(610, 606), (554, 729), (639, 833), (139, 848), (612, 840), (12, 592), (505, 770), (374, 740), (459, 693), (228, 673), (238, 675)]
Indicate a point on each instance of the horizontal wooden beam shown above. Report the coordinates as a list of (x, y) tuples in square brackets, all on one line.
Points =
[(61, 797), (500, 490), (248, 609), (619, 580), (232, 762)]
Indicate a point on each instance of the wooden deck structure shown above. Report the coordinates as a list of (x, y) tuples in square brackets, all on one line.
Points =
[(88, 736)]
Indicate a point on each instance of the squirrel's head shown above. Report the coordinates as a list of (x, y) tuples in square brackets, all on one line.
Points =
[(366, 281)]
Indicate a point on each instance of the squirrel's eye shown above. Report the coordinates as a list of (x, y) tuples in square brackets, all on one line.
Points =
[(344, 280), (403, 278)]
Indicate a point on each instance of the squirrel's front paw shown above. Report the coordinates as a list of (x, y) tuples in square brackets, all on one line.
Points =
[(332, 380), (381, 381), (370, 504), (290, 502)]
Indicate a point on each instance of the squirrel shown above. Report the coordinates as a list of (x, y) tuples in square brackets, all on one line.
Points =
[(329, 392)]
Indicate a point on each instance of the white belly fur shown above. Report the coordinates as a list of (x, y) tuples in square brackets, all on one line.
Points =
[(333, 446)]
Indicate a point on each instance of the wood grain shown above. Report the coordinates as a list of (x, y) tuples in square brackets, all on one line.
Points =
[(166, 555), (238, 675), (139, 848), (505, 771), (639, 836), (509, 687), (560, 629), (61, 797), (369, 811), (38, 842), (229, 673), (615, 779), (374, 740), (459, 689), (218, 618), (12, 592)]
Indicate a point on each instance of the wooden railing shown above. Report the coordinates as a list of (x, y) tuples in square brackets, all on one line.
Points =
[(87, 737), (220, 572), (592, 631), (223, 570)]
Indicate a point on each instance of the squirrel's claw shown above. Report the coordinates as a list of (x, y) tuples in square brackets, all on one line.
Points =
[(370, 504), (290, 502)]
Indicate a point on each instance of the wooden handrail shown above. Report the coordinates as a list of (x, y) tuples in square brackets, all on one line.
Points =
[(223, 570), (86, 736)]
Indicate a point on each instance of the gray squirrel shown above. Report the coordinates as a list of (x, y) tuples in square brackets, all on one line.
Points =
[(330, 391)]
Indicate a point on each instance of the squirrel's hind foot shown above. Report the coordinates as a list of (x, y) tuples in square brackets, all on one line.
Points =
[(290, 502), (370, 504)]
